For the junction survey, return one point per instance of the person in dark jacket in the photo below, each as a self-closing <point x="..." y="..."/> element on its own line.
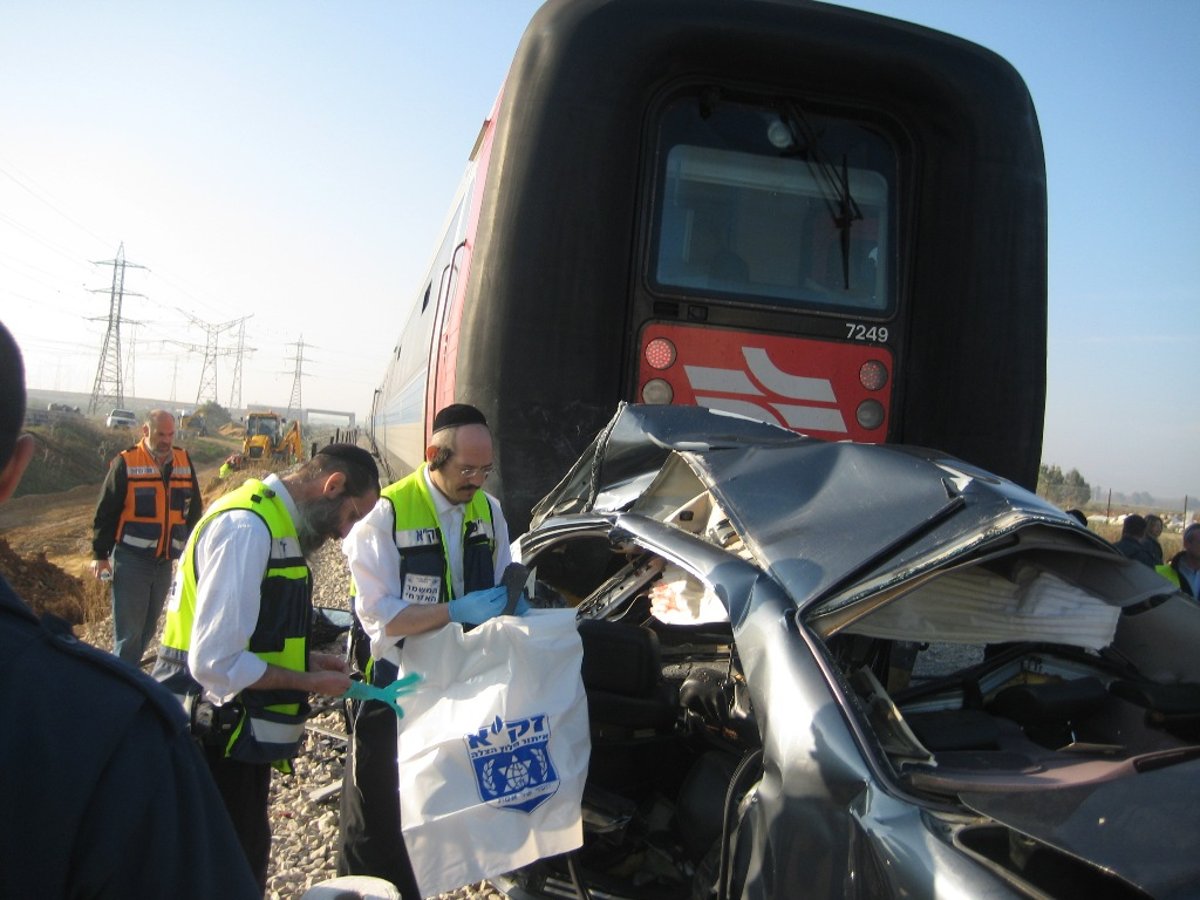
<point x="1154" y="529"/>
<point x="105" y="793"/>
<point x="149" y="504"/>
<point x="1133" y="530"/>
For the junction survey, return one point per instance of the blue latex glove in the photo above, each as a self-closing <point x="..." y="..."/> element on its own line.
<point x="391" y="694"/>
<point x="477" y="607"/>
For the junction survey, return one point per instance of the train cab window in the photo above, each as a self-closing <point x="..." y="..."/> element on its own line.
<point x="770" y="204"/>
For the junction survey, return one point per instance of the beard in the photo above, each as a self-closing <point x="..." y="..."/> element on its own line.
<point x="319" y="521"/>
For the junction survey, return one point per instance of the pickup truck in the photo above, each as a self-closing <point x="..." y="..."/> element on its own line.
<point x="121" y="418"/>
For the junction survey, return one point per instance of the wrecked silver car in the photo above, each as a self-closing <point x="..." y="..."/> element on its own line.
<point x="837" y="670"/>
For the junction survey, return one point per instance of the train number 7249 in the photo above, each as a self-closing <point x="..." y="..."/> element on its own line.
<point x="856" y="331"/>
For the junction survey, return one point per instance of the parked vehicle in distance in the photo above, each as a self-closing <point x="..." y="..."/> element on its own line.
<point x="875" y="668"/>
<point x="61" y="407"/>
<point x="121" y="418"/>
<point x="192" y="425"/>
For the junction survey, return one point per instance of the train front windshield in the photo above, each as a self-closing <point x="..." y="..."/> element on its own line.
<point x="770" y="204"/>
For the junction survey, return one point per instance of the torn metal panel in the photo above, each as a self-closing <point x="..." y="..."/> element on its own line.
<point x="627" y="454"/>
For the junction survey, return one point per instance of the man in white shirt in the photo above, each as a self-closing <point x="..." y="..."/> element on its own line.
<point x="235" y="644"/>
<point x="432" y="551"/>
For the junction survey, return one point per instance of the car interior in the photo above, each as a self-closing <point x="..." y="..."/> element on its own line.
<point x="670" y="725"/>
<point x="966" y="726"/>
<point x="1054" y="689"/>
<point x="1006" y="675"/>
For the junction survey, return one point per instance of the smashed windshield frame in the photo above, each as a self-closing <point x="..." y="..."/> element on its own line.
<point x="769" y="203"/>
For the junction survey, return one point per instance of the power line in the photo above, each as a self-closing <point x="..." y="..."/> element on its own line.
<point x="45" y="242"/>
<point x="23" y="267"/>
<point x="200" y="303"/>
<point x="42" y="196"/>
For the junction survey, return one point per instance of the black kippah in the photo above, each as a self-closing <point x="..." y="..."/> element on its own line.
<point x="458" y="414"/>
<point x="354" y="455"/>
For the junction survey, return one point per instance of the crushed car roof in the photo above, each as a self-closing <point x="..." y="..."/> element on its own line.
<point x="834" y="523"/>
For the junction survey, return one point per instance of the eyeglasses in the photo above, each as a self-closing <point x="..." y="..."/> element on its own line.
<point x="472" y="471"/>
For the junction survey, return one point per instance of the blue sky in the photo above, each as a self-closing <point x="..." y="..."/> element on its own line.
<point x="293" y="162"/>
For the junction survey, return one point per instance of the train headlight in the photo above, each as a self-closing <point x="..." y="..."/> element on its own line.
<point x="869" y="414"/>
<point x="657" y="391"/>
<point x="873" y="375"/>
<point x="660" y="354"/>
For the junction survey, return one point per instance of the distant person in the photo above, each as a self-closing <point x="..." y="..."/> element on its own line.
<point x="1154" y="529"/>
<point x="1079" y="516"/>
<point x="1184" y="568"/>
<point x="1133" y="530"/>
<point x="104" y="790"/>
<point x="431" y="552"/>
<point x="232" y="463"/>
<point x="149" y="504"/>
<point x="235" y="644"/>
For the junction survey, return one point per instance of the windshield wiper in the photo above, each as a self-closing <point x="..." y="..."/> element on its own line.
<point x="834" y="184"/>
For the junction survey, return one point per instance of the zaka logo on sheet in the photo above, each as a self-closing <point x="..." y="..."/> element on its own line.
<point x="512" y="764"/>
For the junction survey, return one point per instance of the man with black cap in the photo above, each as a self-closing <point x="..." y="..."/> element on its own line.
<point x="234" y="647"/>
<point x="104" y="791"/>
<point x="431" y="552"/>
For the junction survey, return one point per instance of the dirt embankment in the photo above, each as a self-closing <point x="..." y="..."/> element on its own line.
<point x="56" y="525"/>
<point x="46" y="538"/>
<point x="45" y="546"/>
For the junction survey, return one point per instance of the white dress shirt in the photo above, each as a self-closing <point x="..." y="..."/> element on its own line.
<point x="374" y="560"/>
<point x="232" y="553"/>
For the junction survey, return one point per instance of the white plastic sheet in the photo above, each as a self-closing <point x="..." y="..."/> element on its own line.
<point x="977" y="607"/>
<point x="493" y="748"/>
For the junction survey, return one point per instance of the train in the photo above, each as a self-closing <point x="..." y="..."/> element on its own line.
<point x="817" y="216"/>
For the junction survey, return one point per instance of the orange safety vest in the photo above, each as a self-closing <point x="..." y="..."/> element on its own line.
<point x="155" y="513"/>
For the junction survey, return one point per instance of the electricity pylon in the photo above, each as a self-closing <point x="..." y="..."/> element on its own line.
<point x="294" y="404"/>
<point x="235" y="393"/>
<point x="108" y="389"/>
<point x="208" y="370"/>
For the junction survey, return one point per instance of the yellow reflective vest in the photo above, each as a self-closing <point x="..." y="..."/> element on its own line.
<point x="270" y="724"/>
<point x="424" y="564"/>
<point x="1169" y="572"/>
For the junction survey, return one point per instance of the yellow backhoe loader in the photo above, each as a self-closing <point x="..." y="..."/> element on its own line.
<point x="269" y="435"/>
